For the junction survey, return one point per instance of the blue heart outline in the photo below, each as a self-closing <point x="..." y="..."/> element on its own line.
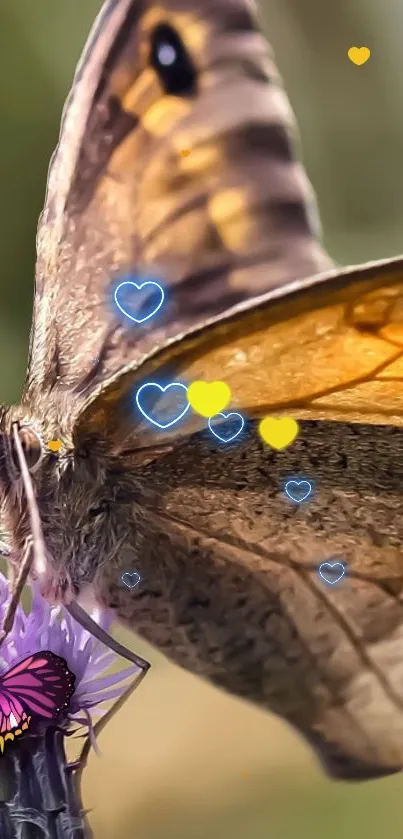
<point x="139" y="287"/>
<point x="298" y="483"/>
<point x="332" y="565"/>
<point x="227" y="416"/>
<point x="162" y="389"/>
<point x="130" y="574"/>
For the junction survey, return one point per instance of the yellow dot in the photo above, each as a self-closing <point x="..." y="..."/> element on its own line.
<point x="54" y="445"/>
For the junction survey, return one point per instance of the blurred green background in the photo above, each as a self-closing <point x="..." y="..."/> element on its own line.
<point x="181" y="760"/>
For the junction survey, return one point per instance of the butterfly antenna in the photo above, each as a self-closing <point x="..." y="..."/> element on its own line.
<point x="39" y="551"/>
<point x="35" y="546"/>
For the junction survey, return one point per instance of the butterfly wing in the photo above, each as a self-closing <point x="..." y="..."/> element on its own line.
<point x="230" y="584"/>
<point x="232" y="218"/>
<point x="326" y="348"/>
<point x="229" y="565"/>
<point x="14" y="720"/>
<point x="42" y="683"/>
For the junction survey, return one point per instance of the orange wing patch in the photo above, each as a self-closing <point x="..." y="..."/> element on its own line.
<point x="329" y="348"/>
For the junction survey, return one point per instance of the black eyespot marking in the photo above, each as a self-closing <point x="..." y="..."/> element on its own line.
<point x="171" y="61"/>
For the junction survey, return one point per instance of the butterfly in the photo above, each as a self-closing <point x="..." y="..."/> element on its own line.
<point x="229" y="583"/>
<point x="38" y="688"/>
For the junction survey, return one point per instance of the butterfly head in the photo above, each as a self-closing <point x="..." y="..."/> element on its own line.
<point x="32" y="446"/>
<point x="19" y="431"/>
<point x="51" y="498"/>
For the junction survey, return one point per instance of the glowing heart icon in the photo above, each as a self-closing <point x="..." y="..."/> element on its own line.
<point x="130" y="579"/>
<point x="278" y="432"/>
<point x="332" y="572"/>
<point x="208" y="398"/>
<point x="227" y="430"/>
<point x="148" y="391"/>
<point x="134" y="302"/>
<point x="298" y="490"/>
<point x="359" y="55"/>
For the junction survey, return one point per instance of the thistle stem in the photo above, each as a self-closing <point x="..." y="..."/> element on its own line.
<point x="39" y="794"/>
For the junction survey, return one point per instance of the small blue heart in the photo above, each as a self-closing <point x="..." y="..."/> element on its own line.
<point x="332" y="572"/>
<point x="130" y="579"/>
<point x="229" y="426"/>
<point x="141" y="393"/>
<point x="149" y="285"/>
<point x="298" y="490"/>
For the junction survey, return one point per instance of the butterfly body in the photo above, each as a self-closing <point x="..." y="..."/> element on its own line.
<point x="229" y="586"/>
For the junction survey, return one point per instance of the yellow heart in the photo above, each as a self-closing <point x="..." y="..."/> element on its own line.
<point x="54" y="445"/>
<point x="208" y="398"/>
<point x="359" y="55"/>
<point x="185" y="152"/>
<point x="278" y="432"/>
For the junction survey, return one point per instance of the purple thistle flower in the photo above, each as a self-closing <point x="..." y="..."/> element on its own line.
<point x="37" y="785"/>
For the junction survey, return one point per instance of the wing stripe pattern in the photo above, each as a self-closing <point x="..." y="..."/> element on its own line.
<point x="233" y="219"/>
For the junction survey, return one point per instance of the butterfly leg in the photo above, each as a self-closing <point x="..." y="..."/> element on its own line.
<point x="86" y="621"/>
<point x="18" y="584"/>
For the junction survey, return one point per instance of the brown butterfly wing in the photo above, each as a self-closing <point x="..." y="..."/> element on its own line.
<point x="230" y="587"/>
<point x="229" y="565"/>
<point x="232" y="218"/>
<point x="326" y="348"/>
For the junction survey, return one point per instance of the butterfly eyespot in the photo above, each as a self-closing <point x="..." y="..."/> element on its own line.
<point x="171" y="61"/>
<point x="31" y="446"/>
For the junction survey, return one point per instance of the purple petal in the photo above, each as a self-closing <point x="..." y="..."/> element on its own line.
<point x="100" y="664"/>
<point x="113" y="679"/>
<point x="94" y="699"/>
